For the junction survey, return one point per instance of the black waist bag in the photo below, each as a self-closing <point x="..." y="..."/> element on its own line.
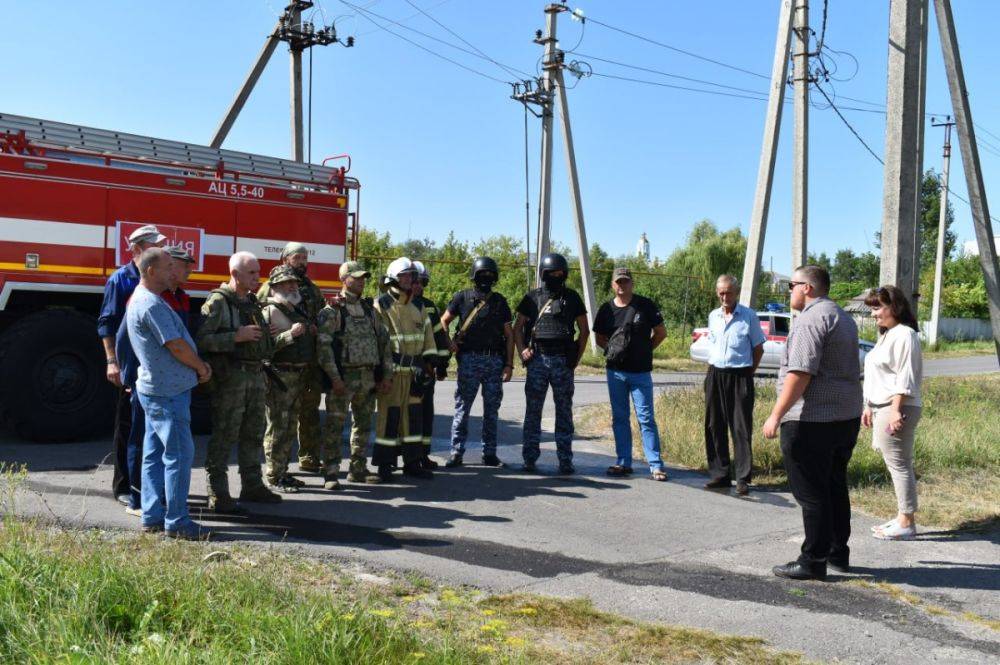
<point x="617" y="348"/>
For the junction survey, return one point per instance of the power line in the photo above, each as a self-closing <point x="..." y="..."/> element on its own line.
<point x="691" y="54"/>
<point x="848" y="124"/>
<point x="677" y="87"/>
<point x="405" y="18"/>
<point x="366" y="13"/>
<point x="502" y="66"/>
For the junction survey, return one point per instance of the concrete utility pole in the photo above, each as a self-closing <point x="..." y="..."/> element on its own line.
<point x="932" y="332"/>
<point x="299" y="36"/>
<point x="800" y="159"/>
<point x="921" y="114"/>
<point x="549" y="66"/>
<point x="768" y="154"/>
<point x="970" y="161"/>
<point x="902" y="121"/>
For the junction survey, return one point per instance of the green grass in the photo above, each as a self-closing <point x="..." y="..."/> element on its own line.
<point x="957" y="449"/>
<point x="946" y="349"/>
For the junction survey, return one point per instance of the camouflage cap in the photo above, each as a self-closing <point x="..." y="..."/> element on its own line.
<point x="293" y="247"/>
<point x="354" y="269"/>
<point x="621" y="272"/>
<point x="180" y="253"/>
<point x="281" y="274"/>
<point x="148" y="233"/>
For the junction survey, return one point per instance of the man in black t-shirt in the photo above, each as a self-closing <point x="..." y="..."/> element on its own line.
<point x="628" y="328"/>
<point x="484" y="347"/>
<point x="544" y="332"/>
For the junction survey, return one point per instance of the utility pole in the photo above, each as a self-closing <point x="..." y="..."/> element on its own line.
<point x="970" y="161"/>
<point x="544" y="96"/>
<point x="902" y="121"/>
<point x="768" y="154"/>
<point x="299" y="36"/>
<point x="932" y="332"/>
<point x="918" y="198"/>
<point x="800" y="160"/>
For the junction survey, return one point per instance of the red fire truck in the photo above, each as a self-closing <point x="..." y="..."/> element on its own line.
<point x="70" y="195"/>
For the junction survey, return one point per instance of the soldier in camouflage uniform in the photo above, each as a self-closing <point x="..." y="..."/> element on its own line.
<point x="295" y="255"/>
<point x="284" y="312"/>
<point x="233" y="339"/>
<point x="400" y="415"/>
<point x="443" y="344"/>
<point x="354" y="352"/>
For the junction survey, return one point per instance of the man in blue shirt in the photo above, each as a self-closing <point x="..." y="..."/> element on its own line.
<point x="169" y="367"/>
<point x="737" y="345"/>
<point x="117" y="291"/>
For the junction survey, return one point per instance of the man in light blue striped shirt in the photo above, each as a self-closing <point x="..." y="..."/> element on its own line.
<point x="737" y="345"/>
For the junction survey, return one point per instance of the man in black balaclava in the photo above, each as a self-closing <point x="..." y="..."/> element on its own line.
<point x="484" y="347"/>
<point x="545" y="340"/>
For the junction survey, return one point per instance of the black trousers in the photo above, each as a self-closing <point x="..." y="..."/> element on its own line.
<point x="729" y="400"/>
<point x="123" y="426"/>
<point x="816" y="457"/>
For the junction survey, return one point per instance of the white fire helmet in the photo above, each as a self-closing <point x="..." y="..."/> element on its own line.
<point x="400" y="265"/>
<point x="422" y="272"/>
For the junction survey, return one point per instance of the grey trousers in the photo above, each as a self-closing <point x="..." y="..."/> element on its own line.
<point x="897" y="451"/>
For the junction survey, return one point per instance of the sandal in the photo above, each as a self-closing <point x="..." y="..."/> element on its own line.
<point x="658" y="475"/>
<point x="618" y="470"/>
<point x="882" y="527"/>
<point x="896" y="532"/>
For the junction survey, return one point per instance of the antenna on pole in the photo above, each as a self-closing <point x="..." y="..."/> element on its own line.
<point x="299" y="36"/>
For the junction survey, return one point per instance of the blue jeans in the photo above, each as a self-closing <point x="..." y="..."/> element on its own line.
<point x="134" y="451"/>
<point x="640" y="386"/>
<point x="167" y="455"/>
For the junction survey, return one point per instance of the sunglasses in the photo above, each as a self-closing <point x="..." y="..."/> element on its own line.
<point x="792" y="285"/>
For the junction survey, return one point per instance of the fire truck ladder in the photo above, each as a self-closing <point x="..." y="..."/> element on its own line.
<point x="22" y="134"/>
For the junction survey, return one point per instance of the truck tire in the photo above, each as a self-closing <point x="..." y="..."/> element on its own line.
<point x="52" y="378"/>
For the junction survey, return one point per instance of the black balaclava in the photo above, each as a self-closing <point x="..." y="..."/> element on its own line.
<point x="553" y="283"/>
<point x="484" y="281"/>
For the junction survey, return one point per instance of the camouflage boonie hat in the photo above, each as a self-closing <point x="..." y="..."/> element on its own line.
<point x="281" y="274"/>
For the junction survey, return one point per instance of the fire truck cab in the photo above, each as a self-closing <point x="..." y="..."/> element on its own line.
<point x="70" y="196"/>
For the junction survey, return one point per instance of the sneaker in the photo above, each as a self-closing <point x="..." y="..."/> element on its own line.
<point x="190" y="531"/>
<point x="225" y="505"/>
<point x="259" y="494"/>
<point x="566" y="468"/>
<point x="124" y="499"/>
<point x="135" y="512"/>
<point x="152" y="528"/>
<point x="896" y="532"/>
<point x="428" y="463"/>
<point x="331" y="483"/>
<point x="454" y="461"/>
<point x="309" y="467"/>
<point x="415" y="470"/>
<point x="492" y="460"/>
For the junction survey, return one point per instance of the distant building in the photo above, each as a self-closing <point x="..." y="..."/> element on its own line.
<point x="642" y="249"/>
<point x="971" y="247"/>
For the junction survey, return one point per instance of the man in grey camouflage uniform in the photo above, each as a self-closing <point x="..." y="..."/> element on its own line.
<point x="354" y="351"/>
<point x="236" y="343"/>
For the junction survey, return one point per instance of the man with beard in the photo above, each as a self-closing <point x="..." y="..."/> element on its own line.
<point x="400" y="415"/>
<point x="295" y="255"/>
<point x="484" y="345"/>
<point x="544" y="336"/>
<point x="236" y="343"/>
<point x="353" y="349"/>
<point x="285" y="313"/>
<point x="443" y="344"/>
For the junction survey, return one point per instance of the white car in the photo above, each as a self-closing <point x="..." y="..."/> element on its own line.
<point x="775" y="326"/>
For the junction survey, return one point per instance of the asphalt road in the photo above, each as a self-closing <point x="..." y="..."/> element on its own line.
<point x="669" y="552"/>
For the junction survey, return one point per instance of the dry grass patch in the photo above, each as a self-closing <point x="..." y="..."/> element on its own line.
<point x="957" y="449"/>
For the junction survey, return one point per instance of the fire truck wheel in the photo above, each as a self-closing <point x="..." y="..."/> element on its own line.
<point x="52" y="378"/>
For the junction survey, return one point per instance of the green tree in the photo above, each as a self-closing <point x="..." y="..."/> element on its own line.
<point x="930" y="212"/>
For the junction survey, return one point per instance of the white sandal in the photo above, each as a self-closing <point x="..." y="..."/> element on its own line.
<point x="896" y="532"/>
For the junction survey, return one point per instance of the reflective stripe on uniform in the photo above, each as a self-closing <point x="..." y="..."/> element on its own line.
<point x="443" y="352"/>
<point x="386" y="442"/>
<point x="432" y="352"/>
<point x="407" y="337"/>
<point x="412" y="439"/>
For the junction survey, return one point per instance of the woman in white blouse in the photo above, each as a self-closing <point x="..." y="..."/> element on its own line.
<point x="892" y="401"/>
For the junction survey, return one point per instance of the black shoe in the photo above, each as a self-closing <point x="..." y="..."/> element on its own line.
<point x="454" y="461"/>
<point x="742" y="488"/>
<point x="415" y="470"/>
<point x="566" y="469"/>
<point x="529" y="467"/>
<point x="718" y="483"/>
<point x="491" y="460"/>
<point x="839" y="565"/>
<point x="385" y="472"/>
<point x="796" y="570"/>
<point x="428" y="463"/>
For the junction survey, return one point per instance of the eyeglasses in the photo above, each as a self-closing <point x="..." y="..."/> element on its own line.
<point x="792" y="285"/>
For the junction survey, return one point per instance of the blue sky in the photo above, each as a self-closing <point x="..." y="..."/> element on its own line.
<point x="438" y="148"/>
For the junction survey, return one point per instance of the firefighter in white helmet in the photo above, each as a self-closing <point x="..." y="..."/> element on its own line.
<point x="443" y="344"/>
<point x="399" y="419"/>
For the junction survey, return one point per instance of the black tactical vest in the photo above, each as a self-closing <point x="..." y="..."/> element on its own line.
<point x="554" y="324"/>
